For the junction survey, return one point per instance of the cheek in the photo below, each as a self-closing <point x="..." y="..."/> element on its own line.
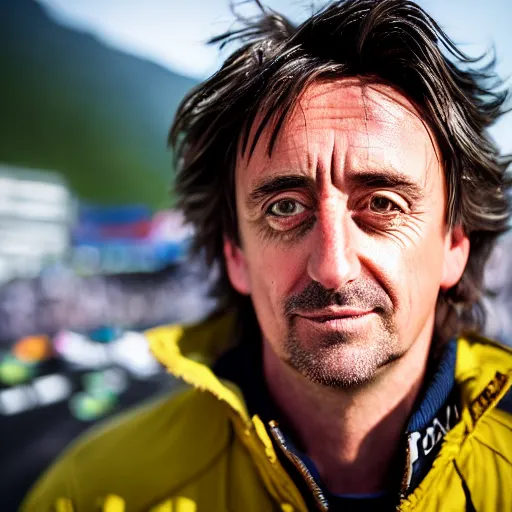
<point x="409" y="270"/>
<point x="422" y="275"/>
<point x="276" y="272"/>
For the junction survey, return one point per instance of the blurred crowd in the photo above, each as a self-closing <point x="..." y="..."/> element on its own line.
<point x="60" y="299"/>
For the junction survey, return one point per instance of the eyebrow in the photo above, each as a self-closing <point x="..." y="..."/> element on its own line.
<point x="272" y="185"/>
<point x="392" y="180"/>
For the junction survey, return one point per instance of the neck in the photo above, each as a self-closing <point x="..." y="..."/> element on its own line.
<point x="353" y="436"/>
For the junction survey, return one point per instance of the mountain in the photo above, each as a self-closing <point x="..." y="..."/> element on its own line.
<point x="71" y="104"/>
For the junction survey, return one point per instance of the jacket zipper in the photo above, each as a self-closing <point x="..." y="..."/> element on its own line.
<point x="317" y="493"/>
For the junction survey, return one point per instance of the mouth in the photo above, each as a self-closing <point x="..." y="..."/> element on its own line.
<point x="340" y="314"/>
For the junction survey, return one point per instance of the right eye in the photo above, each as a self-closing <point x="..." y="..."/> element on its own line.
<point x="286" y="208"/>
<point x="287" y="214"/>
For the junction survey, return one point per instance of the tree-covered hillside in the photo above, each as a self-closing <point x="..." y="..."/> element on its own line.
<point x="71" y="104"/>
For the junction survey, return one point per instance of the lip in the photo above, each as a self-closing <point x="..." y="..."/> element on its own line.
<point x="333" y="315"/>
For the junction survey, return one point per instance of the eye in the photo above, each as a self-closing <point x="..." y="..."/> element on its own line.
<point x="286" y="208"/>
<point x="382" y="205"/>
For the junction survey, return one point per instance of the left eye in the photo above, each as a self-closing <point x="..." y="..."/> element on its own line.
<point x="382" y="204"/>
<point x="286" y="208"/>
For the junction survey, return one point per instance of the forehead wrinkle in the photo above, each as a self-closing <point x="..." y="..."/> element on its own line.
<point x="340" y="156"/>
<point x="366" y="109"/>
<point x="260" y="163"/>
<point x="372" y="160"/>
<point x="391" y="97"/>
<point x="322" y="167"/>
<point x="375" y="164"/>
<point x="408" y="109"/>
<point x="300" y="107"/>
<point x="327" y="170"/>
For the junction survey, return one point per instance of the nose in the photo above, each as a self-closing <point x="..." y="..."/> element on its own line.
<point x="333" y="260"/>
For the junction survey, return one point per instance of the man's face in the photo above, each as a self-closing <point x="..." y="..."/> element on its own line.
<point x="344" y="246"/>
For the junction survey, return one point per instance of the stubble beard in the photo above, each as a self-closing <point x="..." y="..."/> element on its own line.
<point x="343" y="360"/>
<point x="340" y="361"/>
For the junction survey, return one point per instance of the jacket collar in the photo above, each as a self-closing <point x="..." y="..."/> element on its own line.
<point x="484" y="373"/>
<point x="188" y="352"/>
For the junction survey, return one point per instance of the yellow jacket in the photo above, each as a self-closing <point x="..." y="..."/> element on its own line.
<point x="198" y="449"/>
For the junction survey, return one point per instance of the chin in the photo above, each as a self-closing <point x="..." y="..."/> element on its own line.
<point x="342" y="365"/>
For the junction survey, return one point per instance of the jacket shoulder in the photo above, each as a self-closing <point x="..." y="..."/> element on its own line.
<point x="142" y="456"/>
<point x="480" y="350"/>
<point x="485" y="462"/>
<point x="484" y="368"/>
<point x="480" y="361"/>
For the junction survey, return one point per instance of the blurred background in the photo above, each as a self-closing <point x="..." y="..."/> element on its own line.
<point x="91" y="250"/>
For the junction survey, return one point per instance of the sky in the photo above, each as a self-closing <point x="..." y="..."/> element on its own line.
<point x="173" y="32"/>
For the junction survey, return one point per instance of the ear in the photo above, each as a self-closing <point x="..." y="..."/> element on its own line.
<point x="236" y="267"/>
<point x="456" y="253"/>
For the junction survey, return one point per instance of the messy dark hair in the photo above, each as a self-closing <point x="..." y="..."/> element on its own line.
<point x="393" y="42"/>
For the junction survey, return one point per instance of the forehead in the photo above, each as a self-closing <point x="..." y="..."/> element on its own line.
<point x="344" y="126"/>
